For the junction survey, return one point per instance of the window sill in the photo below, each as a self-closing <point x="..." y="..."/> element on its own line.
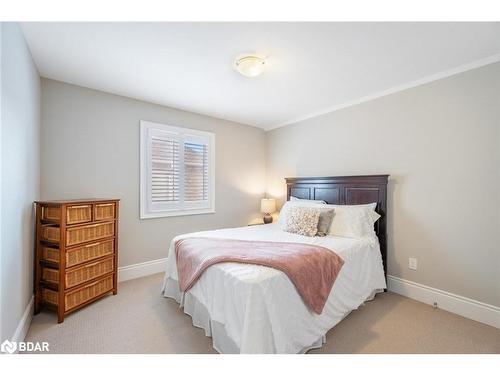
<point x="156" y="215"/>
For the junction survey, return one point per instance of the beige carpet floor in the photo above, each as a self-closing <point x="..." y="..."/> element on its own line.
<point x="140" y="320"/>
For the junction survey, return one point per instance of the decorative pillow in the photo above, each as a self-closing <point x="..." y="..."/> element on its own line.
<point x="354" y="221"/>
<point x="284" y="210"/>
<point x="302" y="220"/>
<point x="325" y="221"/>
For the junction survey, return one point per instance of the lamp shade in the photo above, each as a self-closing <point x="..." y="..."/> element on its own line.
<point x="267" y="205"/>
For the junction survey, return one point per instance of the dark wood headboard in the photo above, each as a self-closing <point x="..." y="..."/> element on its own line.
<point x="347" y="190"/>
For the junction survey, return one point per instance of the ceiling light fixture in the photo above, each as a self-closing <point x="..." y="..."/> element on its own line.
<point x="250" y="65"/>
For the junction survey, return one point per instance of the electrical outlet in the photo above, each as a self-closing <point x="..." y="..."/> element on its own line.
<point x="412" y="263"/>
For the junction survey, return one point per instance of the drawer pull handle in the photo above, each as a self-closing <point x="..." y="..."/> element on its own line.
<point x="83" y="206"/>
<point x="93" y="244"/>
<point x="87" y="226"/>
<point x="88" y="286"/>
<point x="91" y="265"/>
<point x="105" y="205"/>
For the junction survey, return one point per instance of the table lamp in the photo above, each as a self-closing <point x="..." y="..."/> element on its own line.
<point x="267" y="207"/>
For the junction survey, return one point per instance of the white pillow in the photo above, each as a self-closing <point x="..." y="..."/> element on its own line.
<point x="295" y="199"/>
<point x="300" y="203"/>
<point x="370" y="207"/>
<point x="354" y="221"/>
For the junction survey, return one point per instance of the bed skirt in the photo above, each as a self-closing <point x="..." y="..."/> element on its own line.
<point x="221" y="342"/>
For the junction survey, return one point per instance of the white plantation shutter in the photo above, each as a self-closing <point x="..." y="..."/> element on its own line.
<point x="177" y="171"/>
<point x="165" y="169"/>
<point x="195" y="172"/>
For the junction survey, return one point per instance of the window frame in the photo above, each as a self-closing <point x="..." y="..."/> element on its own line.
<point x="181" y="208"/>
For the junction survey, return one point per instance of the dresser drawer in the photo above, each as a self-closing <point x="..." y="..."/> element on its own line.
<point x="88" y="292"/>
<point x="50" y="296"/>
<point x="89" y="252"/>
<point x="49" y="254"/>
<point x="51" y="213"/>
<point x="89" y="232"/>
<point x="79" y="255"/>
<point x="104" y="211"/>
<point x="89" y="272"/>
<point x="51" y="275"/>
<point x="50" y="233"/>
<point x="79" y="214"/>
<point x="75" y="214"/>
<point x="79" y="275"/>
<point x="79" y="234"/>
<point x="81" y="295"/>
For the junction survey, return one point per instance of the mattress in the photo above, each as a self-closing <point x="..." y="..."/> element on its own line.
<point x="256" y="309"/>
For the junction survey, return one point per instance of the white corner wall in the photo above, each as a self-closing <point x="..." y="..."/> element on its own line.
<point x="20" y="179"/>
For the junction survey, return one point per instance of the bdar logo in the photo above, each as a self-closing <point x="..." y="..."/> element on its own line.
<point x="8" y="347"/>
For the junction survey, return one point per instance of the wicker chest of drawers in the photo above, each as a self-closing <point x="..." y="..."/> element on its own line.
<point x="76" y="253"/>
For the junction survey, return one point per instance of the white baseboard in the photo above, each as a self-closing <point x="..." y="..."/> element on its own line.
<point x="466" y="307"/>
<point x="25" y="322"/>
<point x="135" y="271"/>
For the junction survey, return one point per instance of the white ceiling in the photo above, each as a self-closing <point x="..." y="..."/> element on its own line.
<point x="312" y="67"/>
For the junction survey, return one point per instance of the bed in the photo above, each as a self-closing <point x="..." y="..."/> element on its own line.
<point x="256" y="309"/>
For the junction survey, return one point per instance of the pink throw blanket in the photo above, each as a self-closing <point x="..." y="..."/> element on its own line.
<point x="312" y="269"/>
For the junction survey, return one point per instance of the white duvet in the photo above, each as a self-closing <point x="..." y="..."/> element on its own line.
<point x="256" y="309"/>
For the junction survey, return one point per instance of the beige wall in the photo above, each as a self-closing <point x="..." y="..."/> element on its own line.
<point x="440" y="143"/>
<point x="20" y="139"/>
<point x="90" y="148"/>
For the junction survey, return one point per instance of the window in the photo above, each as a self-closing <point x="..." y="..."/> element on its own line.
<point x="177" y="171"/>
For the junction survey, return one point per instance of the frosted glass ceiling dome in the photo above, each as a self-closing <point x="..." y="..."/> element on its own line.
<point x="250" y="66"/>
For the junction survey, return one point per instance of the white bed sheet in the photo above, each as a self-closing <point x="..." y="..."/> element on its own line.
<point x="258" y="308"/>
